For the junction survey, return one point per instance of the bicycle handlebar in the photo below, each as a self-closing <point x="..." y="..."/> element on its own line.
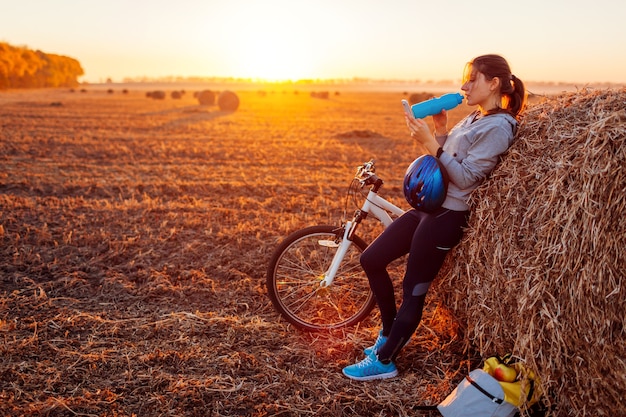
<point x="365" y="174"/>
<point x="365" y="170"/>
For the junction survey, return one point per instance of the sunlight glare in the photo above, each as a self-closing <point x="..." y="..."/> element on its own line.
<point x="273" y="59"/>
<point x="272" y="47"/>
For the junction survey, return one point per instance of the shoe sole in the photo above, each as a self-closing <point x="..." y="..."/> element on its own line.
<point x="372" y="377"/>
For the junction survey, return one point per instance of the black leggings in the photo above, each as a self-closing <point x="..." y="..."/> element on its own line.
<point x="427" y="238"/>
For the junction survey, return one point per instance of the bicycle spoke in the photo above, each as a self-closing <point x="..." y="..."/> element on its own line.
<point x="295" y="280"/>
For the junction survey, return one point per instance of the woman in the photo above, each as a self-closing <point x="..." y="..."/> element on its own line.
<point x="469" y="152"/>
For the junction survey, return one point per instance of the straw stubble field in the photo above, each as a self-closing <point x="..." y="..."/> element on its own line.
<point x="135" y="238"/>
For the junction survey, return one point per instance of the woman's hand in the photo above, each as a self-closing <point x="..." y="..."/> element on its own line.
<point x="441" y="122"/>
<point x="420" y="131"/>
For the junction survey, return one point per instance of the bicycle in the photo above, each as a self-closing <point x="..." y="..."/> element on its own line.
<point x="314" y="278"/>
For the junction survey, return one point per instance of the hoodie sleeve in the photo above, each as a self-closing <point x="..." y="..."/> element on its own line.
<point x="473" y="154"/>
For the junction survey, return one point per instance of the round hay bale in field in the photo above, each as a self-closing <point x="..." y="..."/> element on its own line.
<point x="539" y="272"/>
<point x="206" y="98"/>
<point x="177" y="95"/>
<point x="419" y="97"/>
<point x="158" y="95"/>
<point x="228" y="101"/>
<point x="320" y="94"/>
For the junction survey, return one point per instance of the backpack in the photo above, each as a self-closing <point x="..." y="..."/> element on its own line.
<point x="480" y="394"/>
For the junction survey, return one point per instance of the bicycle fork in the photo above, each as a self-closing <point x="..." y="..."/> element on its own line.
<point x="342" y="248"/>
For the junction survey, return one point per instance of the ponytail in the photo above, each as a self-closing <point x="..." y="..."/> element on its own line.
<point x="517" y="96"/>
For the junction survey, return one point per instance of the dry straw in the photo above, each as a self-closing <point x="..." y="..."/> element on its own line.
<point x="540" y="271"/>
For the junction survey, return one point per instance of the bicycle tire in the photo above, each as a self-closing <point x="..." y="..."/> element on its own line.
<point x="293" y="281"/>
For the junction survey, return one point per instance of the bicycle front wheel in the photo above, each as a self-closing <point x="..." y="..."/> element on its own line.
<point x="299" y="265"/>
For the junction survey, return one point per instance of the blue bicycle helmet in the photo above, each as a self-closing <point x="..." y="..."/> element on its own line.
<point x="426" y="183"/>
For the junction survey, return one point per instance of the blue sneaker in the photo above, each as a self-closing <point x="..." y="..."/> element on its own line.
<point x="380" y="340"/>
<point x="370" y="368"/>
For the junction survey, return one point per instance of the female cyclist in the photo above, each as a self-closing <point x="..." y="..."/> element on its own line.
<point x="469" y="152"/>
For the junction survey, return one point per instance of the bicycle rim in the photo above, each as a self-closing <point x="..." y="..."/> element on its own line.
<point x="294" y="277"/>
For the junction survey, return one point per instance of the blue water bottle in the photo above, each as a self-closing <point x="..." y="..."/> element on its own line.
<point x="436" y="104"/>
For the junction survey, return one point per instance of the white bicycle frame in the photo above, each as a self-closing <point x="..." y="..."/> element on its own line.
<point x="374" y="205"/>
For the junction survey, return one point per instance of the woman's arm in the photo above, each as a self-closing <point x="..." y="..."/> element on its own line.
<point x="420" y="131"/>
<point x="479" y="153"/>
<point x="482" y="155"/>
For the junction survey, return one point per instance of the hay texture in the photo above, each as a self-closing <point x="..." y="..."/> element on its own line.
<point x="540" y="271"/>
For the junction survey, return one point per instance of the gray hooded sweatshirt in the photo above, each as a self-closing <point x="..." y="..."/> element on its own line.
<point x="471" y="151"/>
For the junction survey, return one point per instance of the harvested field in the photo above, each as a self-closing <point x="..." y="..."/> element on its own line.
<point x="135" y="237"/>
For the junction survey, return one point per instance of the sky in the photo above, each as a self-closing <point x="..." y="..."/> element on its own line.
<point x="569" y="41"/>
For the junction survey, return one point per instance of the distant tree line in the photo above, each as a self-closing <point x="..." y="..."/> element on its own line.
<point x="21" y="67"/>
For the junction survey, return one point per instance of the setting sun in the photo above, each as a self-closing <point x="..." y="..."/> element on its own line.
<point x="273" y="57"/>
<point x="271" y="44"/>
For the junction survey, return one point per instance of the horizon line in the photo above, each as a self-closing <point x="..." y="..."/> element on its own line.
<point x="314" y="81"/>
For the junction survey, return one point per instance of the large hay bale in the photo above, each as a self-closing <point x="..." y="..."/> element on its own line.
<point x="228" y="101"/>
<point x="419" y="97"/>
<point x="158" y="95"/>
<point x="539" y="273"/>
<point x="206" y="98"/>
<point x="320" y="94"/>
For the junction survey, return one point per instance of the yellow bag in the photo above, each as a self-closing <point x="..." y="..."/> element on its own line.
<point x="518" y="383"/>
